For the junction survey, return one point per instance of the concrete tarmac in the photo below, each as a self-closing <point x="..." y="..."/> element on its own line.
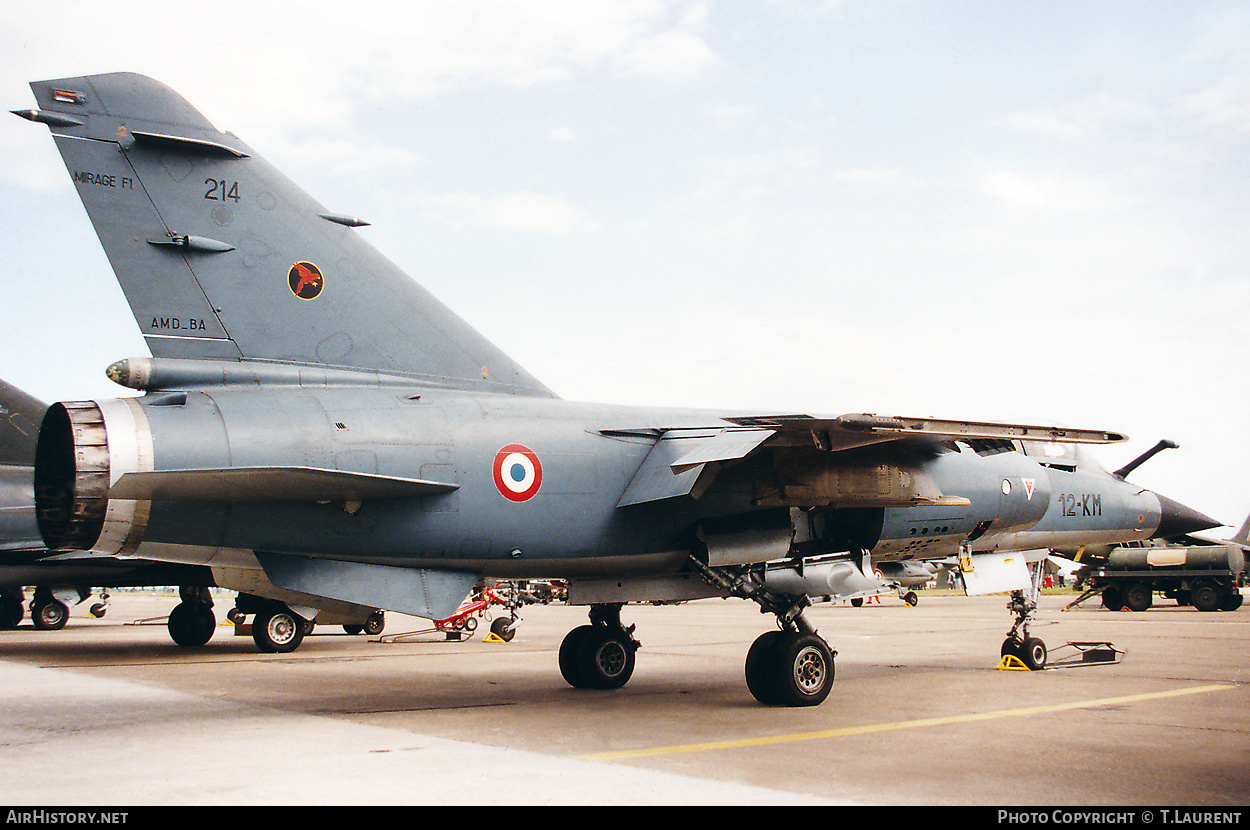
<point x="105" y="712"/>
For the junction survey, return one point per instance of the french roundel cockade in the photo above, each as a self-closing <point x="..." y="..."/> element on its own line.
<point x="518" y="472"/>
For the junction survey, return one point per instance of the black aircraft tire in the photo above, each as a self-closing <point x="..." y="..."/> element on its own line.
<point x="760" y="669"/>
<point x="1012" y="648"/>
<point x="804" y="665"/>
<point x="1231" y="601"/>
<point x="191" y="625"/>
<point x="1112" y="598"/>
<point x="605" y="658"/>
<point x="503" y="629"/>
<point x="374" y="623"/>
<point x="1034" y="654"/>
<point x="278" y="631"/>
<point x="49" y="616"/>
<point x="569" y="667"/>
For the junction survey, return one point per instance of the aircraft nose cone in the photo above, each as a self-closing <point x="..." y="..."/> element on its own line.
<point x="1176" y="519"/>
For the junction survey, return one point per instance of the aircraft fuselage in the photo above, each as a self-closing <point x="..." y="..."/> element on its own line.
<point x="531" y="487"/>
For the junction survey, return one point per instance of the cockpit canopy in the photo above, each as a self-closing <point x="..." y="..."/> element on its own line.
<point x="1066" y="457"/>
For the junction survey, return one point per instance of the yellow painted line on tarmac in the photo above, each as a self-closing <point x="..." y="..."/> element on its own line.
<point x="921" y="723"/>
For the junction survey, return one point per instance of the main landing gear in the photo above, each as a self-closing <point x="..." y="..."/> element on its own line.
<point x="47" y="611"/>
<point x="277" y="629"/>
<point x="599" y="655"/>
<point x="792" y="666"/>
<point x="191" y="623"/>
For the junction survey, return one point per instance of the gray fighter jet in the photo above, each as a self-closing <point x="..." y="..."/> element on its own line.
<point x="312" y="413"/>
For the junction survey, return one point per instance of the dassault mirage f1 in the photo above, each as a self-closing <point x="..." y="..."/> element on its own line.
<point x="312" y="414"/>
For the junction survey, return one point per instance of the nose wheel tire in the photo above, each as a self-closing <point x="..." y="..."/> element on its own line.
<point x="503" y="629"/>
<point x="1032" y="652"/>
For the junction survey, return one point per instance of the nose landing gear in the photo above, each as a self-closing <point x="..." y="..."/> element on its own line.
<point x="1030" y="651"/>
<point x="1022" y="651"/>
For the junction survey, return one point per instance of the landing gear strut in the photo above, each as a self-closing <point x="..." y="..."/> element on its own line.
<point x="599" y="655"/>
<point x="1028" y="650"/>
<point x="792" y="666"/>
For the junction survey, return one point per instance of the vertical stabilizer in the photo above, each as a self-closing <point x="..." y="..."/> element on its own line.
<point x="1243" y="534"/>
<point x="222" y="257"/>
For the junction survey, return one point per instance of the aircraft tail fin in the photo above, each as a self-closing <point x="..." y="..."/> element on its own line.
<point x="221" y="257"/>
<point x="1243" y="534"/>
<point x="20" y="416"/>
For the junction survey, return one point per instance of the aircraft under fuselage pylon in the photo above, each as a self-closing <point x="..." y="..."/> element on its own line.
<point x="310" y="413"/>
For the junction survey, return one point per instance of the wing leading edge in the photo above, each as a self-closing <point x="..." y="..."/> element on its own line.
<point x="678" y="463"/>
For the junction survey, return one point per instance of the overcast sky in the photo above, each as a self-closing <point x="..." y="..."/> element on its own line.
<point x="992" y="210"/>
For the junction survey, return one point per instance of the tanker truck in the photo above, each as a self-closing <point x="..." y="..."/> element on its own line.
<point x="1208" y="577"/>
